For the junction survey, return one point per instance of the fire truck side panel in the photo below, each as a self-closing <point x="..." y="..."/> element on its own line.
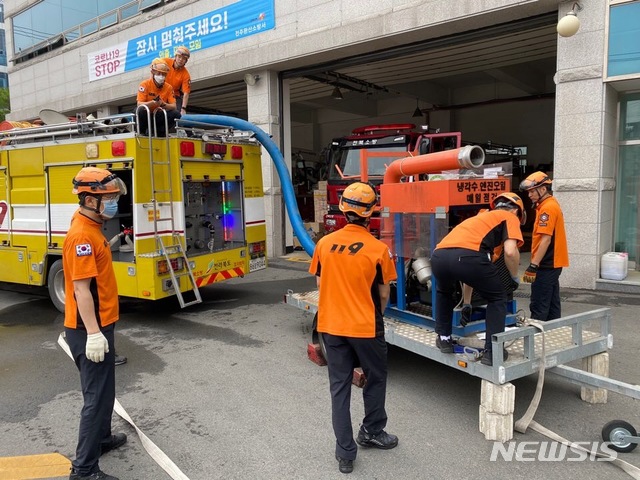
<point x="29" y="214"/>
<point x="62" y="203"/>
<point x="5" y="218"/>
<point x="255" y="210"/>
<point x="14" y="263"/>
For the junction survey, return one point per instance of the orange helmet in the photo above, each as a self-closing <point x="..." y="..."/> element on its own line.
<point x="535" y="180"/>
<point x="182" y="50"/>
<point x="359" y="198"/>
<point x="510" y="200"/>
<point x="158" y="66"/>
<point x="97" y="181"/>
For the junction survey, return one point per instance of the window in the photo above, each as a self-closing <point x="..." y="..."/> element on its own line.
<point x="3" y="49"/>
<point x="627" y="221"/>
<point x="52" y="23"/>
<point x="624" y="39"/>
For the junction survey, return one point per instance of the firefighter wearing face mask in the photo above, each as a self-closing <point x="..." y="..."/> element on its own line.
<point x="157" y="95"/>
<point x="91" y="311"/>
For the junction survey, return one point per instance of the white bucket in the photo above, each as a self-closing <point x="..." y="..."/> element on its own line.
<point x="613" y="266"/>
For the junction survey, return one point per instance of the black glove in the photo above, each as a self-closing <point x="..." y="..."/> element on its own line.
<point x="515" y="283"/>
<point x="465" y="314"/>
<point x="530" y="274"/>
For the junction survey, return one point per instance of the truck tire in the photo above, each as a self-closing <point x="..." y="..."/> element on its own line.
<point x="55" y="282"/>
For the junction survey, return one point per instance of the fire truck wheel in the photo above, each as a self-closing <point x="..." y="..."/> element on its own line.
<point x="55" y="282"/>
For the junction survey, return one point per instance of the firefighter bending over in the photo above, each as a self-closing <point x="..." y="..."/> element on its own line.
<point x="91" y="311"/>
<point x="157" y="95"/>
<point x="353" y="270"/>
<point x="465" y="254"/>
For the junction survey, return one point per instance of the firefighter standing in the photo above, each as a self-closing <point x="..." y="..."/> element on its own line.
<point x="465" y="254"/>
<point x="353" y="270"/>
<point x="157" y="95"/>
<point x="91" y="310"/>
<point x="179" y="78"/>
<point x="548" y="248"/>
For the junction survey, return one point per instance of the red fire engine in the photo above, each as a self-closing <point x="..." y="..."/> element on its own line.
<point x="383" y="144"/>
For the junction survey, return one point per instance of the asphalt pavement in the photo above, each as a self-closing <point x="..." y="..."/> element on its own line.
<point x="225" y="389"/>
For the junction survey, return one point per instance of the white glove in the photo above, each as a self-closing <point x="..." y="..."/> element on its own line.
<point x="97" y="346"/>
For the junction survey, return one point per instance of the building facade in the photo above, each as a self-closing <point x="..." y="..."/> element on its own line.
<point x="494" y="70"/>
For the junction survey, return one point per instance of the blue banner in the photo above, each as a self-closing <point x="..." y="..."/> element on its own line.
<point x="238" y="20"/>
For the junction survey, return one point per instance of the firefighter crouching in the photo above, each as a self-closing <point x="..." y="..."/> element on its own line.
<point x="91" y="311"/>
<point x="157" y="95"/>
<point x="465" y="254"/>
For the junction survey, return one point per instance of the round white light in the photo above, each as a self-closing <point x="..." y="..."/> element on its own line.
<point x="250" y="79"/>
<point x="568" y="25"/>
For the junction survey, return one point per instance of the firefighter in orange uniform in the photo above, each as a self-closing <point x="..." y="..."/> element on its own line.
<point x="91" y="311"/>
<point x="548" y="249"/>
<point x="157" y="94"/>
<point x="353" y="270"/>
<point x="179" y="78"/>
<point x="465" y="255"/>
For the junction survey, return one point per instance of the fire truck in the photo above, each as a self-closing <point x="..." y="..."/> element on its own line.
<point x="193" y="215"/>
<point x="367" y="151"/>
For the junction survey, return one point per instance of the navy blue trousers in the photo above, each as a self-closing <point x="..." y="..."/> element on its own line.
<point x="453" y="265"/>
<point x="343" y="354"/>
<point x="545" y="295"/>
<point x="98" y="383"/>
<point x="158" y="118"/>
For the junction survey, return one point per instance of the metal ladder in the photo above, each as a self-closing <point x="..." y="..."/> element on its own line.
<point x="176" y="243"/>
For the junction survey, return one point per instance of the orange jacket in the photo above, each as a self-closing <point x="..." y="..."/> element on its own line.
<point x="87" y="254"/>
<point x="148" y="90"/>
<point x="178" y="78"/>
<point x="484" y="232"/>
<point x="351" y="264"/>
<point x="550" y="221"/>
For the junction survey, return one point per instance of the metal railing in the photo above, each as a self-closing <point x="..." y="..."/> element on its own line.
<point x="113" y="17"/>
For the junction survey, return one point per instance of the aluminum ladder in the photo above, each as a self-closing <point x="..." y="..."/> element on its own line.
<point x="164" y="170"/>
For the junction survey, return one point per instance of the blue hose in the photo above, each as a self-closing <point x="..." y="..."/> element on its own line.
<point x="278" y="160"/>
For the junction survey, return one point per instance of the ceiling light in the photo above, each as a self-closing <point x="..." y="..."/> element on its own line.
<point x="417" y="112"/>
<point x="569" y="24"/>
<point x="336" y="94"/>
<point x="251" y="79"/>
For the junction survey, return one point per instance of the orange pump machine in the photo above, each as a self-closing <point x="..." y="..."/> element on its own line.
<point x="419" y="204"/>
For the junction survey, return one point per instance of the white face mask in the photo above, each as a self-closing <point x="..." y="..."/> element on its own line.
<point x="159" y="79"/>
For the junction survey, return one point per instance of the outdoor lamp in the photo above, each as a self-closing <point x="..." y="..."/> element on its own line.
<point x="251" y="79"/>
<point x="569" y="24"/>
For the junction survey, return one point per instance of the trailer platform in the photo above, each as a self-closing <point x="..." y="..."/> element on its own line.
<point x="566" y="339"/>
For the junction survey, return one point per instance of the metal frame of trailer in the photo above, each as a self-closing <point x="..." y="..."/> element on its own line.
<point x="566" y="339"/>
